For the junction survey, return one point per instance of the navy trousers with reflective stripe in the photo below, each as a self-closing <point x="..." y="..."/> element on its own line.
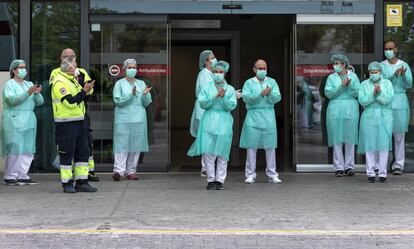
<point x="72" y="141"/>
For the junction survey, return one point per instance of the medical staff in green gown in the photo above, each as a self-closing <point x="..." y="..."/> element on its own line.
<point x="399" y="73"/>
<point x="206" y="62"/>
<point x="376" y="95"/>
<point x="18" y="127"/>
<point x="342" y="115"/>
<point x="215" y="133"/>
<point x="260" y="93"/>
<point x="130" y="96"/>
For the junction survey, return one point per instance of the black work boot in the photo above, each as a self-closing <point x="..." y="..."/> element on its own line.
<point x="92" y="177"/>
<point x="210" y="185"/>
<point x="68" y="188"/>
<point x="84" y="186"/>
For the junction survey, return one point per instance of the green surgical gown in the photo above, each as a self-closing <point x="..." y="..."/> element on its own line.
<point x="204" y="77"/>
<point x="375" y="129"/>
<point x="18" y="127"/>
<point x="215" y="132"/>
<point x="400" y="105"/>
<point x="259" y="128"/>
<point x="342" y="115"/>
<point x="130" y="122"/>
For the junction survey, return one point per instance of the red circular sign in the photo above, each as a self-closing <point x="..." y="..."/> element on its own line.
<point x="114" y="70"/>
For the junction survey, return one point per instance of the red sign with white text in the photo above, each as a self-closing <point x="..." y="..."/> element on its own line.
<point x="152" y="70"/>
<point x="313" y="70"/>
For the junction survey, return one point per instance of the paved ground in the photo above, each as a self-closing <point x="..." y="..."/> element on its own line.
<point x="175" y="211"/>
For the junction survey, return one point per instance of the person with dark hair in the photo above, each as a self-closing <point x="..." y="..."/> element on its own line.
<point x="399" y="73"/>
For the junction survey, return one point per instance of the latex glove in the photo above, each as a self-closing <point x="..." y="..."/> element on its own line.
<point x="238" y="94"/>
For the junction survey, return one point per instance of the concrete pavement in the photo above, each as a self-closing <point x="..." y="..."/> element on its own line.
<point x="305" y="211"/>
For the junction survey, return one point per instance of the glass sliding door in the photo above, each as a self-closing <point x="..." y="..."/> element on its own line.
<point x="148" y="43"/>
<point x="315" y="43"/>
<point x="404" y="36"/>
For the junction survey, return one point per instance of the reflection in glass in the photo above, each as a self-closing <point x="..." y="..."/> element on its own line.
<point x="315" y="45"/>
<point x="55" y="26"/>
<point x="9" y="29"/>
<point x="404" y="36"/>
<point x="111" y="44"/>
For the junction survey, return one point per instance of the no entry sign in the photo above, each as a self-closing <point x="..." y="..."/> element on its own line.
<point x="114" y="70"/>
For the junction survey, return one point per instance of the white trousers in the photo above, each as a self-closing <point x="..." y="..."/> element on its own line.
<point x="341" y="163"/>
<point x="214" y="174"/>
<point x="203" y="165"/>
<point x="399" y="150"/>
<point x="17" y="166"/>
<point x="126" y="163"/>
<point x="270" y="163"/>
<point x="376" y="159"/>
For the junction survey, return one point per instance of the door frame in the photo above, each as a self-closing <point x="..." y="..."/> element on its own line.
<point x="135" y="19"/>
<point x="206" y="36"/>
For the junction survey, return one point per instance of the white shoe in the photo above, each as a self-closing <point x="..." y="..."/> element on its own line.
<point x="203" y="174"/>
<point x="274" y="179"/>
<point x="250" y="180"/>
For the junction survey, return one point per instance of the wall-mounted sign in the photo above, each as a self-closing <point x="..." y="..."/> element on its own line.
<point x="114" y="70"/>
<point x="195" y="24"/>
<point x="152" y="70"/>
<point x="394" y="15"/>
<point x="313" y="70"/>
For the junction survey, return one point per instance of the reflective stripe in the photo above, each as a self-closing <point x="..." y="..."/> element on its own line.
<point x="61" y="120"/>
<point x="55" y="100"/>
<point x="66" y="173"/>
<point x="91" y="164"/>
<point x="81" y="172"/>
<point x="81" y="164"/>
<point x="66" y="167"/>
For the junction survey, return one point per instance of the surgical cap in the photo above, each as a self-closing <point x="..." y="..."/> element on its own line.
<point x="15" y="64"/>
<point x="127" y="62"/>
<point x="340" y="57"/>
<point x="203" y="57"/>
<point x="66" y="63"/>
<point x="222" y="65"/>
<point x="374" y="66"/>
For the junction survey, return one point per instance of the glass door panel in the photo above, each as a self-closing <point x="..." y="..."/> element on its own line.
<point x="315" y="43"/>
<point x="110" y="45"/>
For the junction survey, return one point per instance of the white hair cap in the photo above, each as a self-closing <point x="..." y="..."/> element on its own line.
<point x="129" y="61"/>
